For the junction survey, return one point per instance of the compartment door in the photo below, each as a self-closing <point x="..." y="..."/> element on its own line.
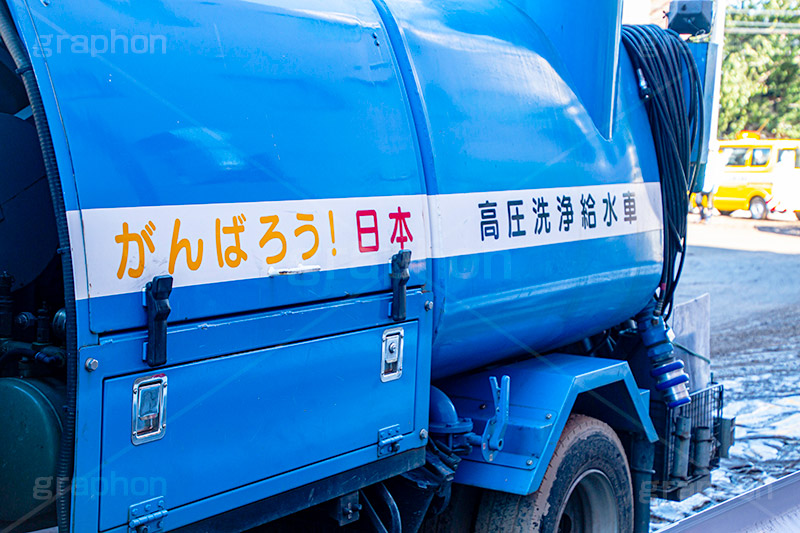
<point x="252" y="420"/>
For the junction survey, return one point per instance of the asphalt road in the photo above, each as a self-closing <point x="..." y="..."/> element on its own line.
<point x="751" y="269"/>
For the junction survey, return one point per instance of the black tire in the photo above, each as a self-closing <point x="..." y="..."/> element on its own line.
<point x="587" y="488"/>
<point x="758" y="208"/>
<point x="725" y="213"/>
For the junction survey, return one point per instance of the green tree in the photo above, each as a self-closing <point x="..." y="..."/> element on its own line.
<point x="761" y="72"/>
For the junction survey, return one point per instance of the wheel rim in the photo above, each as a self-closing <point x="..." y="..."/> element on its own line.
<point x="757" y="209"/>
<point x="591" y="506"/>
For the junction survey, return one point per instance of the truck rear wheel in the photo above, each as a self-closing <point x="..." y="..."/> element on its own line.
<point x="587" y="488"/>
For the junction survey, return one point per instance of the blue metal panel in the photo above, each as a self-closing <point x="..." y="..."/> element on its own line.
<point x="700" y="55"/>
<point x="217" y="110"/>
<point x="122" y="355"/>
<point x="497" y="305"/>
<point x="592" y="74"/>
<point x="283" y="100"/>
<point x="221" y="110"/>
<point x="501" y="110"/>
<point x="239" y="419"/>
<point x="543" y="391"/>
<point x="111" y="312"/>
<point x="503" y="115"/>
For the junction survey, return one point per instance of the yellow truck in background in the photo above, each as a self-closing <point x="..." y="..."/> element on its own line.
<point x="758" y="175"/>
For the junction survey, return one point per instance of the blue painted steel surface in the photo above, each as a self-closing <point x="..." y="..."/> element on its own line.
<point x="247" y="422"/>
<point x="543" y="391"/>
<point x="270" y="409"/>
<point x="503" y="116"/>
<point x="494" y="94"/>
<point x="592" y="75"/>
<point x="220" y="111"/>
<point x="316" y="99"/>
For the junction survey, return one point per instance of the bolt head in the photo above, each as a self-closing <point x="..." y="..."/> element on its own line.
<point x="548" y="416"/>
<point x="91" y="364"/>
<point x="428" y="305"/>
<point x="529" y="462"/>
<point x="423" y="434"/>
<point x="392" y="347"/>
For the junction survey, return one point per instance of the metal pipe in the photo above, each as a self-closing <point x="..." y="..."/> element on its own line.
<point x="680" y="459"/>
<point x="701" y="459"/>
<point x="642" y="458"/>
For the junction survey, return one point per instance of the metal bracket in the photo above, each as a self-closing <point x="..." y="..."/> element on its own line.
<point x="495" y="430"/>
<point x="389" y="440"/>
<point x="346" y="509"/>
<point x="147" y="516"/>
<point x="158" y="309"/>
<point x="400" y="276"/>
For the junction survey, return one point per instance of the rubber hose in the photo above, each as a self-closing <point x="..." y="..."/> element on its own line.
<point x="8" y="34"/>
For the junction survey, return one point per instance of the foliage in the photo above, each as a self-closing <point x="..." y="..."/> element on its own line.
<point x="761" y="74"/>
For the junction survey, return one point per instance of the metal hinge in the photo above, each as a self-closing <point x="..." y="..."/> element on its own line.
<point x="389" y="440"/>
<point x="147" y="516"/>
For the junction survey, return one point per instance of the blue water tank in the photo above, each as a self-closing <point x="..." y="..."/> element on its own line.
<point x="564" y="204"/>
<point x="510" y="137"/>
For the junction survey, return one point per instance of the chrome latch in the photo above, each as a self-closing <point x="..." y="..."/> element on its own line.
<point x="392" y="355"/>
<point x="149" y="421"/>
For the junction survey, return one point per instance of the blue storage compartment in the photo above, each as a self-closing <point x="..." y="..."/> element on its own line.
<point x="241" y="419"/>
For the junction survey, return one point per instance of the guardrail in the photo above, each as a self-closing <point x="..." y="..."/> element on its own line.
<point x="772" y="508"/>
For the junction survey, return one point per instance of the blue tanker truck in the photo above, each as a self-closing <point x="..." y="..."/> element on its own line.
<point x="401" y="265"/>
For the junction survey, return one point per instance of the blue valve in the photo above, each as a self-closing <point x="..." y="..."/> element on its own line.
<point x="669" y="372"/>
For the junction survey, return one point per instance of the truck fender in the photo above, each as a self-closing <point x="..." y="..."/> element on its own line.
<point x="543" y="393"/>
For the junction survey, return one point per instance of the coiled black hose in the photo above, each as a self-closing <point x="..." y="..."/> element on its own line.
<point x="670" y="86"/>
<point x="8" y="34"/>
